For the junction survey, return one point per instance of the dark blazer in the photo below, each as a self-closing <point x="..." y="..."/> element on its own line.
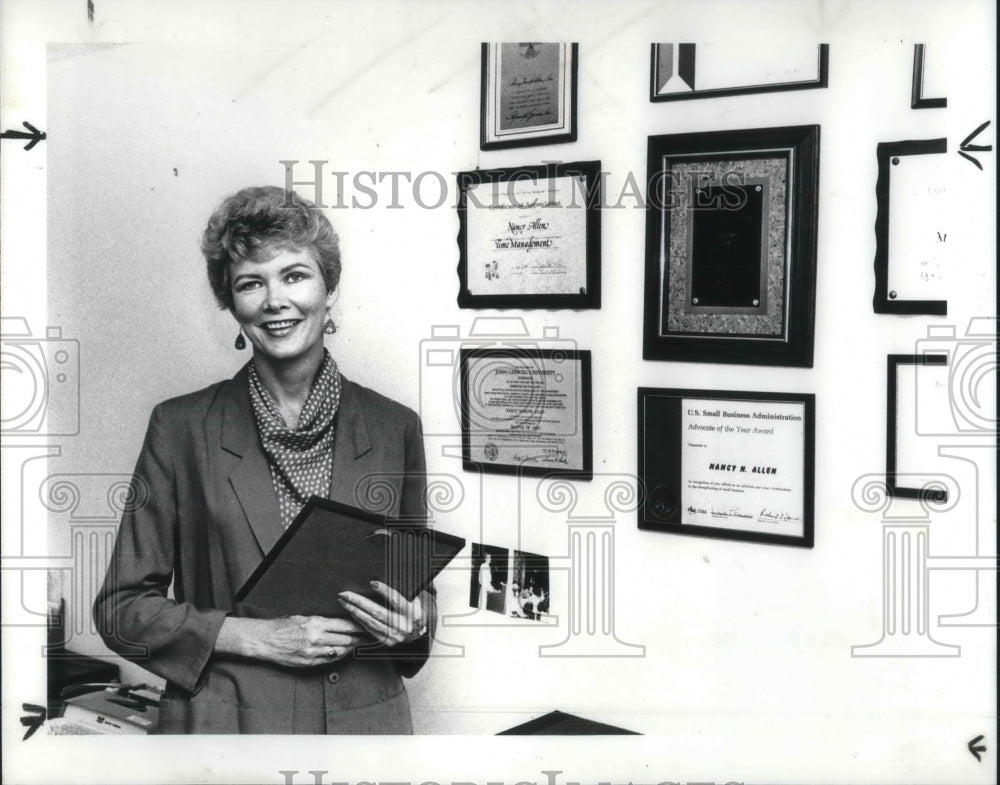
<point x="203" y="516"/>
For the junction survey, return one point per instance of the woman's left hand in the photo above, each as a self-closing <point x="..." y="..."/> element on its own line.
<point x="401" y="622"/>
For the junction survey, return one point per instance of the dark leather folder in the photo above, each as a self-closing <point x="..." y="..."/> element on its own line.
<point x="330" y="548"/>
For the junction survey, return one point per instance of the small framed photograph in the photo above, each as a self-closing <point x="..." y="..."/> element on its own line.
<point x="530" y="237"/>
<point x="729" y="465"/>
<point x="528" y="595"/>
<point x="731" y="246"/>
<point x="489" y="578"/>
<point x="681" y="72"/>
<point x="528" y="94"/>
<point x="526" y="411"/>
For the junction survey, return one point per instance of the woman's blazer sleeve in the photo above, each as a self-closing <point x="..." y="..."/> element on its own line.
<point x="413" y="506"/>
<point x="133" y="613"/>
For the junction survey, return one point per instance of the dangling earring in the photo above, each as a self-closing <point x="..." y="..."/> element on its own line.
<point x="240" y="343"/>
<point x="329" y="328"/>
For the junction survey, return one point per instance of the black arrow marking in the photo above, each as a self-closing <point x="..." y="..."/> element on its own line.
<point x="975" y="747"/>
<point x="964" y="148"/>
<point x="36" y="716"/>
<point x="35" y="135"/>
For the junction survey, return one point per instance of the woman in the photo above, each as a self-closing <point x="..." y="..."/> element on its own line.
<point x="514" y="600"/>
<point x="485" y="581"/>
<point x="224" y="470"/>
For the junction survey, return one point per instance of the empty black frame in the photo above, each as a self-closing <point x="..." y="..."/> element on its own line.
<point x="779" y="332"/>
<point x="917" y="100"/>
<point x="660" y="470"/>
<point x="489" y="86"/>
<point x="686" y="64"/>
<point x="884" y="300"/>
<point x="589" y="295"/>
<point x="893" y="361"/>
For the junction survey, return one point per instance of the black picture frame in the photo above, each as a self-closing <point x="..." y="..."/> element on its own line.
<point x="660" y="470"/>
<point x="917" y="100"/>
<point x="688" y="177"/>
<point x="894" y="488"/>
<point x="687" y="55"/>
<point x="518" y="444"/>
<point x="884" y="300"/>
<point x="585" y="194"/>
<point x="491" y="135"/>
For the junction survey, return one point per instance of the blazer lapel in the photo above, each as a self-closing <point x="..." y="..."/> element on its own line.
<point x="251" y="475"/>
<point x="352" y="440"/>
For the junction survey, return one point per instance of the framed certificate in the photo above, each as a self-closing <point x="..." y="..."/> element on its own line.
<point x="731" y="465"/>
<point x="530" y="237"/>
<point x="528" y="94"/>
<point x="731" y="246"/>
<point x="526" y="411"/>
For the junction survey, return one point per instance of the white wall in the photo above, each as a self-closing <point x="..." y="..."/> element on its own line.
<point x="747" y="647"/>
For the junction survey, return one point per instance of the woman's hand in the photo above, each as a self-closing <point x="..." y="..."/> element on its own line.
<point x="401" y="622"/>
<point x="297" y="641"/>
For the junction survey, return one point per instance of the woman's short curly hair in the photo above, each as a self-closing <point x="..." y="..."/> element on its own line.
<point x="255" y="224"/>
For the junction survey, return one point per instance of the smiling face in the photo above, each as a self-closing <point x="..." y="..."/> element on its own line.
<point x="281" y="304"/>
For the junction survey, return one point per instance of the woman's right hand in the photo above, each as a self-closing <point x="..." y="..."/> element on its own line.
<point x="296" y="641"/>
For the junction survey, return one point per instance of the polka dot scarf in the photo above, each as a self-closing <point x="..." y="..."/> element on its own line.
<point x="301" y="458"/>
